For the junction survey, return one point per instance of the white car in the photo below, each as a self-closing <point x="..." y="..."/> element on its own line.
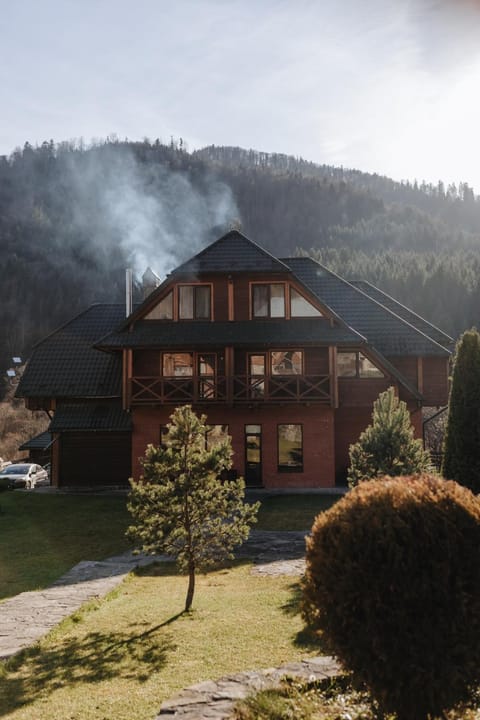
<point x="27" y="475"/>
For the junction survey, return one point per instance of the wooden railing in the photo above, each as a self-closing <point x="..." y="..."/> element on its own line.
<point x="234" y="389"/>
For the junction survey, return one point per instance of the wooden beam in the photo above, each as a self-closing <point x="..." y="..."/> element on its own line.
<point x="332" y="366"/>
<point x="420" y="374"/>
<point x="231" y="307"/>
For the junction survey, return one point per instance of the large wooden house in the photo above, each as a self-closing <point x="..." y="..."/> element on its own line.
<point x="283" y="355"/>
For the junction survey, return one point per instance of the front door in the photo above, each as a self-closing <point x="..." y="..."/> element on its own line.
<point x="253" y="455"/>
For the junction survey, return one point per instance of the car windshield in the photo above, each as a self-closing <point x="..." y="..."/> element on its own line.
<point x="16" y="470"/>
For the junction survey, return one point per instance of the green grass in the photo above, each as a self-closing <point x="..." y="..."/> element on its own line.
<point x="292" y="512"/>
<point x="42" y="536"/>
<point x="123" y="656"/>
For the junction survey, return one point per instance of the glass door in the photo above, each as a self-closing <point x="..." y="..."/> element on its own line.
<point x="256" y="375"/>
<point x="253" y="455"/>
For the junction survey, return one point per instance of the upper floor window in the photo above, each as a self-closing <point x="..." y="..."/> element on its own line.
<point x="287" y="362"/>
<point x="300" y="307"/>
<point x="194" y="302"/>
<point x="268" y="300"/>
<point x="164" y="309"/>
<point x="355" y="364"/>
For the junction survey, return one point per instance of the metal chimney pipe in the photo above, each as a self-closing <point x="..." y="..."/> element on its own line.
<point x="128" y="291"/>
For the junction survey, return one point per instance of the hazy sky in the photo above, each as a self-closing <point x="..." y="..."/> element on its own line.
<point x="383" y="86"/>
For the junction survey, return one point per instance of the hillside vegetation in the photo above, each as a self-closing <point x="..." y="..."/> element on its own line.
<point x="73" y="217"/>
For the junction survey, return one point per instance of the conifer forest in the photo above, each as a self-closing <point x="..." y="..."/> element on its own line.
<point x="74" y="216"/>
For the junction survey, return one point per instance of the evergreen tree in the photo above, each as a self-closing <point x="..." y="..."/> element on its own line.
<point x="387" y="446"/>
<point x="181" y="507"/>
<point x="461" y="460"/>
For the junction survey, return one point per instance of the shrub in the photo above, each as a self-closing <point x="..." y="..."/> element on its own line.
<point x="392" y="586"/>
<point x="387" y="446"/>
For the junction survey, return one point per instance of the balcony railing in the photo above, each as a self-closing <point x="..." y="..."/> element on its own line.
<point x="234" y="389"/>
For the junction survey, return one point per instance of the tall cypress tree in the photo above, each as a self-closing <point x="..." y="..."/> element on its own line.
<point x="461" y="460"/>
<point x="387" y="446"/>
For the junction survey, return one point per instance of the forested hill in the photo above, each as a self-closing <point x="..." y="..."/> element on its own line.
<point x="73" y="217"/>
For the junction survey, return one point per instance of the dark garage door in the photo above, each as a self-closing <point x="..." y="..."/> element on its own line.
<point x="95" y="458"/>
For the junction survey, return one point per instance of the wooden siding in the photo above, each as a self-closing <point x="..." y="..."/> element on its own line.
<point x="435" y="381"/>
<point x="360" y="392"/>
<point x="318" y="440"/>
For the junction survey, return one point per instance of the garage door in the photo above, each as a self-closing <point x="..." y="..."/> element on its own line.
<point x="95" y="458"/>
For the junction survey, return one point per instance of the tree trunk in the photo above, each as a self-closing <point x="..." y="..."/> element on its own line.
<point x="191" y="585"/>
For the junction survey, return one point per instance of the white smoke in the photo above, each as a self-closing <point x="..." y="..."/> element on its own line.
<point x="154" y="214"/>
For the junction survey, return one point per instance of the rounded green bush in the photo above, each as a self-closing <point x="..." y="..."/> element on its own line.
<point x="392" y="586"/>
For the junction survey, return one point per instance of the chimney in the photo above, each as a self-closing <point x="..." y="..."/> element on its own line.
<point x="150" y="281"/>
<point x="128" y="291"/>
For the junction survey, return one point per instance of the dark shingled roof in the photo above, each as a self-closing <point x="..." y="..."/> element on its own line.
<point x="232" y="253"/>
<point x="405" y="313"/>
<point x="39" y="442"/>
<point x="90" y="416"/>
<point x="385" y="330"/>
<point x="66" y="364"/>
<point x="255" y="333"/>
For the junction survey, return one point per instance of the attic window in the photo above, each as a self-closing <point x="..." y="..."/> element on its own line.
<point x="164" y="309"/>
<point x="356" y="365"/>
<point x="194" y="302"/>
<point x="268" y="300"/>
<point x="300" y="307"/>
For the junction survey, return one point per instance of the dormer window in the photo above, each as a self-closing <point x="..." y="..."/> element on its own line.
<point x="268" y="300"/>
<point x="194" y="302"/>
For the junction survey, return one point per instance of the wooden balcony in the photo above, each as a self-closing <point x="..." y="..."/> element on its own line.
<point x="237" y="389"/>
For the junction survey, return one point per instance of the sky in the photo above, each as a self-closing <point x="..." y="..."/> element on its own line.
<point x="385" y="86"/>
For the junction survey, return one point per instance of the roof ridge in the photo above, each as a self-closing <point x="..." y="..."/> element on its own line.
<point x="265" y="252"/>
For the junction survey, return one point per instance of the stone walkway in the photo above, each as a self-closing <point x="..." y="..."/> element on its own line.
<point x="26" y="618"/>
<point x="215" y="700"/>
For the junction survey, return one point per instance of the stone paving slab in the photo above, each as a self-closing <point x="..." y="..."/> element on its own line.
<point x="215" y="700"/>
<point x="27" y="617"/>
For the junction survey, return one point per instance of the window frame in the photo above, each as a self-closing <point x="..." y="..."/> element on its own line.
<point x="194" y="287"/>
<point x="269" y="316"/>
<point x="285" y="468"/>
<point x="358" y="375"/>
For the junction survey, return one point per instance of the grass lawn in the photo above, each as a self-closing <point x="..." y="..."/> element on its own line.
<point x="122" y="656"/>
<point x="44" y="535"/>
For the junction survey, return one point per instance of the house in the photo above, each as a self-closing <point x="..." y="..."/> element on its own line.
<point x="283" y="355"/>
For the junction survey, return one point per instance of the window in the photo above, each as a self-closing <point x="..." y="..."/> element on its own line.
<point x="287" y="362"/>
<point x="215" y="435"/>
<point x="268" y="301"/>
<point x="299" y="307"/>
<point x="194" y="302"/>
<point x="177" y="364"/>
<point x="355" y="364"/>
<point x="290" y="448"/>
<point x="164" y="309"/>
<point x="206" y="371"/>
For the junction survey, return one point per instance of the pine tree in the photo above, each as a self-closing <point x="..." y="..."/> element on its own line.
<point x="387" y="446"/>
<point x="181" y="507"/>
<point x="461" y="460"/>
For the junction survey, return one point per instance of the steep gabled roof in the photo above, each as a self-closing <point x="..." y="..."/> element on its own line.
<point x="232" y="253"/>
<point x="384" y="329"/>
<point x="65" y="364"/>
<point x="402" y="311"/>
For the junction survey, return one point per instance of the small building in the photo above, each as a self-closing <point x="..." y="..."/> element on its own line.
<point x="282" y="355"/>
